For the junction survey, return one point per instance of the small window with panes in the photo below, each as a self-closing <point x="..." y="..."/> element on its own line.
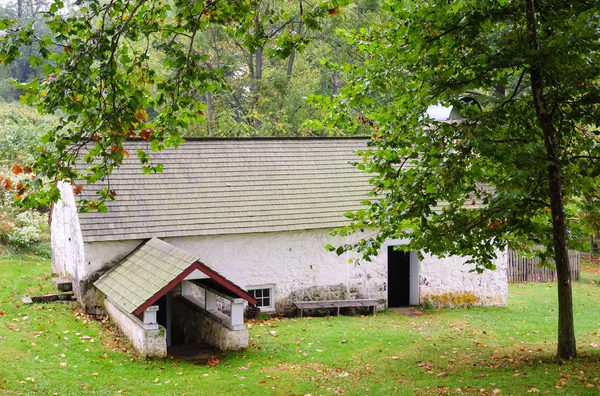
<point x="264" y="296"/>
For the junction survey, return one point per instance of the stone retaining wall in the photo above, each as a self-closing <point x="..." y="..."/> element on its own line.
<point x="151" y="343"/>
<point x="198" y="326"/>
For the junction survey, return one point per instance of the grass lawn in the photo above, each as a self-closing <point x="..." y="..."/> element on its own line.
<point x="56" y="349"/>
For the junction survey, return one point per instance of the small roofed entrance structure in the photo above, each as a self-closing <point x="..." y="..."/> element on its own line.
<point x="161" y="295"/>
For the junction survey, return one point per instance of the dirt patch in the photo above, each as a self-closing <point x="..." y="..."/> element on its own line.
<point x="197" y="353"/>
<point x="407" y="311"/>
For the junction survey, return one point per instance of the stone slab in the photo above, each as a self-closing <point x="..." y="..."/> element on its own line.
<point x="63" y="284"/>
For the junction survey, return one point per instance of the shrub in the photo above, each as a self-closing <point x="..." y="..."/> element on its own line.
<point x="29" y="227"/>
<point x="7" y="223"/>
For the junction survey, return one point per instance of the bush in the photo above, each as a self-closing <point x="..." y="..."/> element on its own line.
<point x="24" y="229"/>
<point x="29" y="228"/>
<point x="22" y="128"/>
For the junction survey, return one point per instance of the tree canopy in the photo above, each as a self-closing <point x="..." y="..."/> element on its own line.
<point x="158" y="70"/>
<point x="526" y="148"/>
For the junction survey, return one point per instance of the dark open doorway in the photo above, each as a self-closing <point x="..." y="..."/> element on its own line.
<point x="164" y="317"/>
<point x="178" y="347"/>
<point x="398" y="278"/>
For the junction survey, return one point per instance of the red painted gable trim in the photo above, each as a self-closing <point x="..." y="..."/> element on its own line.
<point x="232" y="287"/>
<point x="204" y="269"/>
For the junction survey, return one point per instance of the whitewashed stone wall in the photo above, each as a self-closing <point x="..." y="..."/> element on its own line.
<point x="84" y="263"/>
<point x="66" y="239"/>
<point x="199" y="326"/>
<point x="449" y="282"/>
<point x="100" y="256"/>
<point x="297" y="263"/>
<point x="146" y="342"/>
<point x="293" y="261"/>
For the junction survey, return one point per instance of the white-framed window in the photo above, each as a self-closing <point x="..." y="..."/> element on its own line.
<point x="265" y="296"/>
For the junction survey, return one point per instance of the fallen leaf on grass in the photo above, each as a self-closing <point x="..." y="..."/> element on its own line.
<point x="533" y="390"/>
<point x="62" y="364"/>
<point x="213" y="361"/>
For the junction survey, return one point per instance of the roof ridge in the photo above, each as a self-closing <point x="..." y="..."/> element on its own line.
<point x="263" y="138"/>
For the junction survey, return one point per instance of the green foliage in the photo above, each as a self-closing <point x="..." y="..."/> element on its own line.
<point x="22" y="130"/>
<point x="474" y="185"/>
<point x="26" y="65"/>
<point x="266" y="85"/>
<point x="29" y="228"/>
<point x="158" y="70"/>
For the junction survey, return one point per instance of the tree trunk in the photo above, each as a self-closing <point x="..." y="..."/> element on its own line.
<point x="208" y="96"/>
<point x="566" y="332"/>
<point x="258" y="69"/>
<point x="335" y="83"/>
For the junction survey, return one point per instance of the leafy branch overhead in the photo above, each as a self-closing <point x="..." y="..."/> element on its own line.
<point x="126" y="69"/>
<point x="474" y="184"/>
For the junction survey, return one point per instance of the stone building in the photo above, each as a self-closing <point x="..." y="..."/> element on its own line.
<point x="232" y="221"/>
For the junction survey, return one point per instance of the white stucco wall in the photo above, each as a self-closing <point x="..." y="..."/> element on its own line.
<point x="293" y="261"/>
<point x="449" y="282"/>
<point x="100" y="256"/>
<point x="296" y="263"/>
<point x="65" y="234"/>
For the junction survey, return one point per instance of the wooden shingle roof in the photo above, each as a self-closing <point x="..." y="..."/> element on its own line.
<point x="231" y="186"/>
<point x="152" y="270"/>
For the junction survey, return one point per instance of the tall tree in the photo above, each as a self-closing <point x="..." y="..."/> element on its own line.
<point x="24" y="12"/>
<point x="526" y="149"/>
<point x="264" y="93"/>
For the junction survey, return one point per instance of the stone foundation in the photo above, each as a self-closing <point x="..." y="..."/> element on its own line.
<point x="196" y="325"/>
<point x="90" y="298"/>
<point x="284" y="306"/>
<point x="460" y="299"/>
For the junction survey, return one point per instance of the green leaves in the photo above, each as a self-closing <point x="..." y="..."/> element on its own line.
<point x="475" y="184"/>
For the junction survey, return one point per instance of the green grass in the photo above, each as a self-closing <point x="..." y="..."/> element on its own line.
<point x="55" y="348"/>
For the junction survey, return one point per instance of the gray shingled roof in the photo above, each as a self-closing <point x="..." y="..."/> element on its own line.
<point x="144" y="273"/>
<point x="229" y="186"/>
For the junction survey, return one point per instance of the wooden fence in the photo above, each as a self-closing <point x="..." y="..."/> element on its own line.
<point x="521" y="269"/>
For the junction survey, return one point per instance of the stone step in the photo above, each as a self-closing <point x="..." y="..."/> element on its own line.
<point x="63" y="284"/>
<point x="48" y="298"/>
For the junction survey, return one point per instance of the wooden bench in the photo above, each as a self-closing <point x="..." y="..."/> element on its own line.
<point x="337" y="304"/>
